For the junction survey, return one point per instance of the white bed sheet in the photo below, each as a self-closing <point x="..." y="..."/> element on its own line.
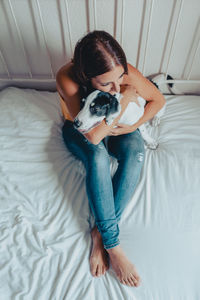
<point x="44" y="231"/>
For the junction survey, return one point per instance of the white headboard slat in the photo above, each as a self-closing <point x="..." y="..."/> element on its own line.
<point x="160" y="37"/>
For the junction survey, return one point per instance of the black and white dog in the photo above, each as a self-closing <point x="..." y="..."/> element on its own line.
<point x="99" y="105"/>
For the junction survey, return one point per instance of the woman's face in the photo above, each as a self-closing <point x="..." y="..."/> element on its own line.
<point x="110" y="81"/>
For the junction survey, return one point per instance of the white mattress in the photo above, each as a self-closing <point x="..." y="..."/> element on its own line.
<point x="44" y="231"/>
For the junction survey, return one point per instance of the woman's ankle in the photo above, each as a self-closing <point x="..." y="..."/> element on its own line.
<point x="114" y="250"/>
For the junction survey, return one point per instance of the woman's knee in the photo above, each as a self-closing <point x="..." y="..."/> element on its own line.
<point x="92" y="156"/>
<point x="135" y="154"/>
<point x="137" y="147"/>
<point x="136" y="151"/>
<point x="98" y="156"/>
<point x="131" y="146"/>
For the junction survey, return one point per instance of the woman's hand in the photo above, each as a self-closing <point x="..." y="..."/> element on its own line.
<point x="122" y="129"/>
<point x="130" y="93"/>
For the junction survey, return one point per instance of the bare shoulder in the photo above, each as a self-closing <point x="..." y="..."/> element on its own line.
<point x="65" y="70"/>
<point x="133" y="76"/>
<point x="143" y="86"/>
<point x="64" y="80"/>
<point x="68" y="89"/>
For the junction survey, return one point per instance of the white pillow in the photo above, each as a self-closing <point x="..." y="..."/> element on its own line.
<point x="187" y="87"/>
<point x="165" y="88"/>
<point x="27" y="105"/>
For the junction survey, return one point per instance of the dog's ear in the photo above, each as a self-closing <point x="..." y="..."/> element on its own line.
<point x="113" y="105"/>
<point x="113" y="110"/>
<point x="82" y="103"/>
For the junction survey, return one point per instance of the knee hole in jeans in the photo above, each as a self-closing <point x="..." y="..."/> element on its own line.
<point x="140" y="156"/>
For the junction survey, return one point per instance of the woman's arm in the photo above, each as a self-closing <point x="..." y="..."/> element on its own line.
<point x="101" y="131"/>
<point x="69" y="91"/>
<point x="147" y="90"/>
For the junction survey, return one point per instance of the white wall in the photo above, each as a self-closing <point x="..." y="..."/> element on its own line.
<point x="38" y="36"/>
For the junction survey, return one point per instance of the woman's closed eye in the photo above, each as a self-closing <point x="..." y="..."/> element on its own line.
<point x="107" y="83"/>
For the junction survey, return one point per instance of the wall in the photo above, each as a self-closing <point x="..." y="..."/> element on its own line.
<point x="38" y="36"/>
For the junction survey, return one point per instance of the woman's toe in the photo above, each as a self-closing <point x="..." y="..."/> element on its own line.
<point x="131" y="281"/>
<point x="103" y="270"/>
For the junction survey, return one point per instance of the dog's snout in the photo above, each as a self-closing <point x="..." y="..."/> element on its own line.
<point x="77" y="123"/>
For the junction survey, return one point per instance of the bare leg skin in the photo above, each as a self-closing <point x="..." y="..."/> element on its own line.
<point x="99" y="257"/>
<point x="124" y="269"/>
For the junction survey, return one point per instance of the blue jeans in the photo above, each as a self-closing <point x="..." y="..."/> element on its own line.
<point x="108" y="196"/>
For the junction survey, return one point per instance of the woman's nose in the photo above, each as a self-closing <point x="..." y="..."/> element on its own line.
<point x="116" y="87"/>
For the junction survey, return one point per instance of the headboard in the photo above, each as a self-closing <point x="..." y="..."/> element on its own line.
<point x="37" y="37"/>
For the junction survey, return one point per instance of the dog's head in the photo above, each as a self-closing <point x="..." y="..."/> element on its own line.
<point x="97" y="106"/>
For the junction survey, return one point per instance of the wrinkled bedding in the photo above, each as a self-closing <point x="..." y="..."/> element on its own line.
<point x="44" y="215"/>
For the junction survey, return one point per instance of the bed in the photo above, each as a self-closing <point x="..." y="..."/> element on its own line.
<point x="44" y="215"/>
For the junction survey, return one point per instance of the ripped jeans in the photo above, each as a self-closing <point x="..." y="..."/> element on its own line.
<point x="108" y="196"/>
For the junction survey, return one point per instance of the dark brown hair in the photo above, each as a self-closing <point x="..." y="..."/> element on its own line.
<point x="96" y="53"/>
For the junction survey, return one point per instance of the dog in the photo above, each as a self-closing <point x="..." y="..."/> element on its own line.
<point x="101" y="105"/>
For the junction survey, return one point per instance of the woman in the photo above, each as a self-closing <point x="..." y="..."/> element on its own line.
<point x="100" y="63"/>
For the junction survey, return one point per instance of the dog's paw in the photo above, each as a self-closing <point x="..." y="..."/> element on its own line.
<point x="109" y="121"/>
<point x="152" y="145"/>
<point x="155" y="121"/>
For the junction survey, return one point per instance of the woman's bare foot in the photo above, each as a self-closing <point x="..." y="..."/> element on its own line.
<point x="123" y="268"/>
<point x="99" y="257"/>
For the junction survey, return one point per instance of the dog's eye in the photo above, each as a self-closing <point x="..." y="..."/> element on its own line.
<point x="92" y="104"/>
